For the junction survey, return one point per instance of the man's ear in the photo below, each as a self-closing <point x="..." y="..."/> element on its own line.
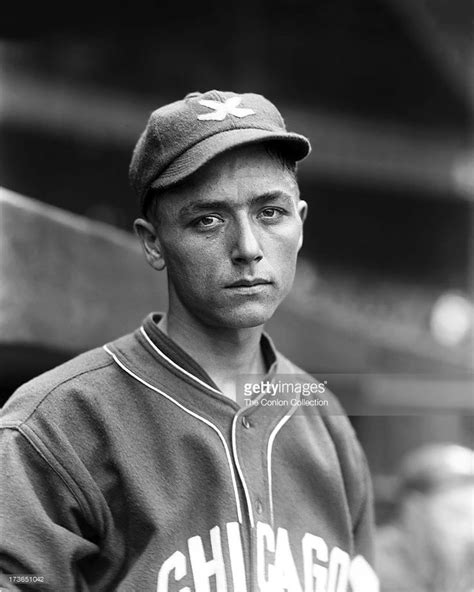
<point x="148" y="236"/>
<point x="302" y="207"/>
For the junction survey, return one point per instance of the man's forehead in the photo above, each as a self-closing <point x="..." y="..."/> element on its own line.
<point x="251" y="157"/>
<point x="248" y="165"/>
<point x="242" y="175"/>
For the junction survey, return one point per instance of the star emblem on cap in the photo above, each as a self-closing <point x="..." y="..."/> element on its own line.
<point x="221" y="110"/>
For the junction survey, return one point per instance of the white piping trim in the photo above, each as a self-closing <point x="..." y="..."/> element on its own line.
<point x="271" y="439"/>
<point x="207" y="422"/>
<point x="177" y="366"/>
<point x="239" y="470"/>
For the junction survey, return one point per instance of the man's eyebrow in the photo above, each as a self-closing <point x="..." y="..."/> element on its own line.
<point x="272" y="196"/>
<point x="200" y="206"/>
<point x="206" y="205"/>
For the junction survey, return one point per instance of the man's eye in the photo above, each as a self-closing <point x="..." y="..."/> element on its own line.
<point x="271" y="213"/>
<point x="207" y="222"/>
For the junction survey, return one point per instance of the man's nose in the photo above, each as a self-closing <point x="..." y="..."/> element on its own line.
<point x="246" y="246"/>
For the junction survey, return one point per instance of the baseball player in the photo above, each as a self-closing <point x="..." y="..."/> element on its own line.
<point x="191" y="455"/>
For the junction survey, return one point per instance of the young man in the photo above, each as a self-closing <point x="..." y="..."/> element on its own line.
<point x="146" y="464"/>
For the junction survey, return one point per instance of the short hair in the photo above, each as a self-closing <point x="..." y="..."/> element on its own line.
<point x="272" y="148"/>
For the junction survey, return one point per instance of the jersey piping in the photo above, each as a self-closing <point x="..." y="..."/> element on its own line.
<point x="271" y="440"/>
<point x="239" y="470"/>
<point x="231" y="452"/>
<point x="175" y="365"/>
<point x="193" y="414"/>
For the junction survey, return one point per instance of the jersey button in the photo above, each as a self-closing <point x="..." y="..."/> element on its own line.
<point x="245" y="422"/>
<point x="259" y="507"/>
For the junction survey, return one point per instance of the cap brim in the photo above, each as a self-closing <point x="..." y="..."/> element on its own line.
<point x="295" y="146"/>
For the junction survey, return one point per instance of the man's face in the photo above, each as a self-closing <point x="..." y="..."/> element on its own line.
<point x="230" y="238"/>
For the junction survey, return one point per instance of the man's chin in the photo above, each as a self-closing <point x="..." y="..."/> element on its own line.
<point x="246" y="317"/>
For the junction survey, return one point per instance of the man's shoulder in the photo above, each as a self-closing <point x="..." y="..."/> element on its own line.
<point x="80" y="377"/>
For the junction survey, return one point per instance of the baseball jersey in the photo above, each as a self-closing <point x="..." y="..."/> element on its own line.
<point x="127" y="469"/>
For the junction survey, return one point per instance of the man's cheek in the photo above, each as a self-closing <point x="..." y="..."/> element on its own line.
<point x="188" y="259"/>
<point x="284" y="254"/>
<point x="287" y="238"/>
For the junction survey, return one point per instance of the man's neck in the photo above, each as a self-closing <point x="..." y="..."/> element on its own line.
<point x="225" y="354"/>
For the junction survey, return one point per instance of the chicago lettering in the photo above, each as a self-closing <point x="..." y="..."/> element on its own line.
<point x="321" y="569"/>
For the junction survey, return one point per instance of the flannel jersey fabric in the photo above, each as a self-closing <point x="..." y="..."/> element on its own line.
<point x="127" y="469"/>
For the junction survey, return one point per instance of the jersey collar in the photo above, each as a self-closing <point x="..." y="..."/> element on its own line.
<point x="186" y="363"/>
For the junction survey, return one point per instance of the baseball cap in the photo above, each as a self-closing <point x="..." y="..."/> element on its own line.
<point x="183" y="136"/>
<point x="435" y="466"/>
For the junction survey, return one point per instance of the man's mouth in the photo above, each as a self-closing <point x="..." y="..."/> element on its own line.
<point x="249" y="283"/>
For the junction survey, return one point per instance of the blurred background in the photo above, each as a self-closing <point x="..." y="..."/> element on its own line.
<point x="383" y="302"/>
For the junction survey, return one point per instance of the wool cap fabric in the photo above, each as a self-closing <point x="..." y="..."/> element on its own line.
<point x="183" y="136"/>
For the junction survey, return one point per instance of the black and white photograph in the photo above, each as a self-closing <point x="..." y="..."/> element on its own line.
<point x="237" y="296"/>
